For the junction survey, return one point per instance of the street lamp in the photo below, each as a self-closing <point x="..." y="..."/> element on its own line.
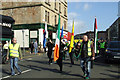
<point x="23" y="42"/>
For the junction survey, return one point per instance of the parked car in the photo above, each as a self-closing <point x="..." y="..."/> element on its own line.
<point x="113" y="51"/>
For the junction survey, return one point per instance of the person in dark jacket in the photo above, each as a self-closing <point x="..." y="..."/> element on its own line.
<point x="77" y="50"/>
<point x="31" y="47"/>
<point x="61" y="52"/>
<point x="50" y="47"/>
<point x="87" y="54"/>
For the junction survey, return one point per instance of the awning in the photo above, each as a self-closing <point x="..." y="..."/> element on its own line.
<point x="6" y="19"/>
<point x="5" y="39"/>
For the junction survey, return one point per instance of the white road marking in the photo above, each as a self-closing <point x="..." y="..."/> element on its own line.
<point x="29" y="59"/>
<point x="15" y="74"/>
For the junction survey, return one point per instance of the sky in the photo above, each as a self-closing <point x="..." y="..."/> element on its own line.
<point x="83" y="14"/>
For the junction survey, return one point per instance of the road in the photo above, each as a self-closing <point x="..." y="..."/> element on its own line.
<point x="36" y="66"/>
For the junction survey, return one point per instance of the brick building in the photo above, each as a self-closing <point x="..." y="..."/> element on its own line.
<point x="30" y="18"/>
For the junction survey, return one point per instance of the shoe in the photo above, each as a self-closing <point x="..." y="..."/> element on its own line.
<point x="84" y="75"/>
<point x="86" y="78"/>
<point x="19" y="73"/>
<point x="12" y="74"/>
<point x="51" y="63"/>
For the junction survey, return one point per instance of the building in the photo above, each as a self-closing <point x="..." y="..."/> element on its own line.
<point x="90" y="34"/>
<point x="113" y="31"/>
<point x="30" y="18"/>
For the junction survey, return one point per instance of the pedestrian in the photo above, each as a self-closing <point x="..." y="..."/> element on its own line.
<point x="5" y="47"/>
<point x="71" y="56"/>
<point x="102" y="48"/>
<point x="31" y="47"/>
<point x="87" y="54"/>
<point x="36" y="47"/>
<point x="50" y="48"/>
<point x="61" y="52"/>
<point x="77" y="50"/>
<point x="14" y="52"/>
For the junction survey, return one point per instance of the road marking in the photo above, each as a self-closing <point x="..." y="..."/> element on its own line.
<point x="15" y="74"/>
<point x="29" y="59"/>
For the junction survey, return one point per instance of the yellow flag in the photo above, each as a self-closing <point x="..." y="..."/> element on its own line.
<point x="72" y="39"/>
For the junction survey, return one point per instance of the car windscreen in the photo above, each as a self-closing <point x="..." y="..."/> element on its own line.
<point x="114" y="45"/>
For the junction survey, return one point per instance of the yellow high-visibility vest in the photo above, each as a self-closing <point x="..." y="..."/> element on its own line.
<point x="14" y="50"/>
<point x="102" y="45"/>
<point x="89" y="48"/>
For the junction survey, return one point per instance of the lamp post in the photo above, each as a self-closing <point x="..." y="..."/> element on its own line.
<point x="23" y="43"/>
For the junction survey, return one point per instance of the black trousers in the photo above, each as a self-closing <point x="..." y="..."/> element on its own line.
<point x="59" y="61"/>
<point x="71" y="57"/>
<point x="31" y="50"/>
<point x="102" y="52"/>
<point x="49" y="54"/>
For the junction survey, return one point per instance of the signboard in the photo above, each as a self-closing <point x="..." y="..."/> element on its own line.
<point x="33" y="34"/>
<point x="5" y="24"/>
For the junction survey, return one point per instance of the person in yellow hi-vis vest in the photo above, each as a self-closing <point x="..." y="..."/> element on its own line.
<point x="14" y="52"/>
<point x="86" y="55"/>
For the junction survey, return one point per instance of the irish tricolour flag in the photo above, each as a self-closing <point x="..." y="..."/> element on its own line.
<point x="95" y="35"/>
<point x="57" y="43"/>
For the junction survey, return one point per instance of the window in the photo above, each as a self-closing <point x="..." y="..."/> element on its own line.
<point x="46" y="16"/>
<point x="55" y="4"/>
<point x="55" y="19"/>
<point x="65" y="25"/>
<point x="59" y="8"/>
<point x="65" y="11"/>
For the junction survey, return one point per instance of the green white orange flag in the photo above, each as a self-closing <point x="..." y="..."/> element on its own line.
<point x="57" y="43"/>
<point x="72" y="39"/>
<point x="95" y="35"/>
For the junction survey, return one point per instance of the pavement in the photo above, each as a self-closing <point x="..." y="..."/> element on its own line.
<point x="36" y="66"/>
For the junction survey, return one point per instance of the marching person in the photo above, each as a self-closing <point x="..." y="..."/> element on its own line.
<point x="50" y="47"/>
<point x="77" y="50"/>
<point x="59" y="61"/>
<point x="71" y="57"/>
<point x="14" y="52"/>
<point x="5" y="47"/>
<point x="102" y="48"/>
<point x="87" y="53"/>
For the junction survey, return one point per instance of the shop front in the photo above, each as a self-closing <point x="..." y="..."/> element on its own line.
<point x="6" y="34"/>
<point x="32" y="32"/>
